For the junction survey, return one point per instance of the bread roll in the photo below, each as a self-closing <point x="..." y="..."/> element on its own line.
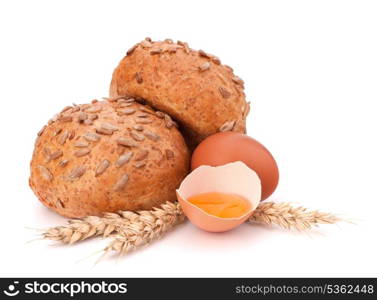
<point x="193" y="87"/>
<point x="107" y="156"/>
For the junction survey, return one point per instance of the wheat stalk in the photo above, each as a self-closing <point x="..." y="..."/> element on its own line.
<point x="134" y="229"/>
<point x="290" y="217"/>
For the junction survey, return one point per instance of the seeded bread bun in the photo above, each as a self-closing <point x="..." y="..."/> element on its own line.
<point x="193" y="87"/>
<point x="107" y="156"/>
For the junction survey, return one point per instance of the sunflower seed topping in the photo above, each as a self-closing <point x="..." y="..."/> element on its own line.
<point x="142" y="154"/>
<point x="138" y="77"/>
<point x="123" y="159"/>
<point x="143" y="121"/>
<point x="82" y="152"/>
<point x="151" y="135"/>
<point x="205" y="66"/>
<point x="140" y="164"/>
<point x="104" y="131"/>
<point x="136" y="136"/>
<point x="227" y="126"/>
<point x="126" y="111"/>
<point x="63" y="163"/>
<point x="103" y="165"/>
<point x="77" y="172"/>
<point x="155" y="51"/>
<point x="138" y="127"/>
<point x="66" y="118"/>
<point x="203" y="54"/>
<point x="63" y="137"/>
<point x="56" y="154"/>
<point x="81" y="144"/>
<point x="121" y="183"/>
<point x="238" y="80"/>
<point x="126" y="142"/>
<point x="40" y="132"/>
<point x="93" y="109"/>
<point x="92" y="137"/>
<point x="109" y="126"/>
<point x="45" y="173"/>
<point x="82" y="117"/>
<point x="224" y="92"/>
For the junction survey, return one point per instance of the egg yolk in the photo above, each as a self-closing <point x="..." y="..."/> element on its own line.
<point x="221" y="205"/>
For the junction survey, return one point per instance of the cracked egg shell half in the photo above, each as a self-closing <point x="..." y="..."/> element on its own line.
<point x="107" y="156"/>
<point x="234" y="187"/>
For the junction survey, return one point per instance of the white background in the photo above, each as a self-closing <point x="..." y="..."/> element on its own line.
<point x="310" y="69"/>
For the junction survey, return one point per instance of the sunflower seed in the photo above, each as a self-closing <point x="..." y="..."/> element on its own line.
<point x="229" y="68"/>
<point x="47" y="154"/>
<point x="56" y="154"/>
<point x="169" y="154"/>
<point x="92" y="137"/>
<point x="137" y="136"/>
<point x="227" y="126"/>
<point x="94" y="101"/>
<point x="142" y="115"/>
<point x="148" y="39"/>
<point x="205" y="66"/>
<point x="75" y="108"/>
<point x="63" y="137"/>
<point x="126" y="104"/>
<point x="72" y="134"/>
<point x="57" y="131"/>
<point x="104" y="131"/>
<point x="151" y="135"/>
<point x="66" y="118"/>
<point x="93" y="117"/>
<point x="168" y="121"/>
<point x="138" y="127"/>
<point x="82" y="117"/>
<point x="60" y="203"/>
<point x="103" y="165"/>
<point x="82" y="152"/>
<point x="109" y="126"/>
<point x="81" y="144"/>
<point x="203" y="54"/>
<point x="123" y="159"/>
<point x="138" y="77"/>
<point x="127" y="111"/>
<point x="238" y="80"/>
<point x="40" y="132"/>
<point x="140" y="164"/>
<point x="169" y="41"/>
<point x="88" y="122"/>
<point x="155" y="51"/>
<point x="132" y="49"/>
<point x="126" y="142"/>
<point x="144" y="121"/>
<point x="216" y="60"/>
<point x="77" y="172"/>
<point x="121" y="183"/>
<point x="224" y="92"/>
<point x="45" y="173"/>
<point x="93" y="109"/>
<point x="142" y="154"/>
<point x="146" y="44"/>
<point x="63" y="163"/>
<point x="160" y="114"/>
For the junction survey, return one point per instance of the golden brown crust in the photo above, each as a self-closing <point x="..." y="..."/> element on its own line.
<point x="193" y="87"/>
<point x="107" y="156"/>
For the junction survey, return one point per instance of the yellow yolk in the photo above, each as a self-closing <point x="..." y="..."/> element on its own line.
<point x="221" y="205"/>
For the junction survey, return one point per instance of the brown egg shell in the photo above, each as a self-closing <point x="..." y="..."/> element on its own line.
<point x="226" y="147"/>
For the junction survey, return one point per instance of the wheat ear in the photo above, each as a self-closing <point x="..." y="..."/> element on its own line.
<point x="290" y="217"/>
<point x="269" y="213"/>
